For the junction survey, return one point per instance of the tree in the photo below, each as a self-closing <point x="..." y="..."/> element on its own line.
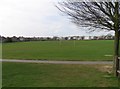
<point x="9" y="39"/>
<point x="96" y="15"/>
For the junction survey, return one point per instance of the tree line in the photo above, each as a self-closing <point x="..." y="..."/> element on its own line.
<point x="54" y="38"/>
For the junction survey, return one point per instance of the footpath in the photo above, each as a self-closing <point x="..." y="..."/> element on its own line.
<point x="56" y="62"/>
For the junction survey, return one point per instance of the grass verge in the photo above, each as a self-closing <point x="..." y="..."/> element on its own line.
<point x="54" y="75"/>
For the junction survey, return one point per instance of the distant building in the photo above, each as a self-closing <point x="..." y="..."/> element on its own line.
<point x="21" y="38"/>
<point x="14" y="39"/>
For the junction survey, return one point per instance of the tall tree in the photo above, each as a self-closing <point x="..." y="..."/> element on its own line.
<point x="97" y="15"/>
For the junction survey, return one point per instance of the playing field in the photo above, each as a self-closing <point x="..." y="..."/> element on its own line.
<point x="56" y="75"/>
<point x="59" y="50"/>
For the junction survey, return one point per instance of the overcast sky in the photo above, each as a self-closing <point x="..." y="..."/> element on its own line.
<point x="36" y="18"/>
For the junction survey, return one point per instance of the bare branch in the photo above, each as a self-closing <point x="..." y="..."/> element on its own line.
<point x="94" y="14"/>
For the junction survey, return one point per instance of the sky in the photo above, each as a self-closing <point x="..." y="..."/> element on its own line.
<point x="37" y="18"/>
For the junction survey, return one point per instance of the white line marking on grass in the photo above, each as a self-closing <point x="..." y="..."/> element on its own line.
<point x="108" y="55"/>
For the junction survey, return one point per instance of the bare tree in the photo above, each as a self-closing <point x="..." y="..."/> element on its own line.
<point x="97" y="15"/>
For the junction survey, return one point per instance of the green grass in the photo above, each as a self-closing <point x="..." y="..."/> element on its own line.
<point x="56" y="50"/>
<point x="53" y="75"/>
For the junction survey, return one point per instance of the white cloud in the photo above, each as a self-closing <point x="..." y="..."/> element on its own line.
<point x="34" y="18"/>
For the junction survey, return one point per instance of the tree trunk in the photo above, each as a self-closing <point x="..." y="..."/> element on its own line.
<point x="116" y="26"/>
<point x="116" y="61"/>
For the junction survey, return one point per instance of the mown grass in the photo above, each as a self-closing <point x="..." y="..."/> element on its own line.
<point x="54" y="75"/>
<point x="59" y="50"/>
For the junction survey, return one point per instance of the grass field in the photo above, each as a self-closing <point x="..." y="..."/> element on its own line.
<point x="59" y="50"/>
<point x="53" y="75"/>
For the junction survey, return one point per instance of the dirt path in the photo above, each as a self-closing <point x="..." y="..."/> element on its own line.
<point x="56" y="62"/>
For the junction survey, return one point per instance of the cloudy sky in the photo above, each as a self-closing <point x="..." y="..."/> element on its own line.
<point x="36" y="18"/>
